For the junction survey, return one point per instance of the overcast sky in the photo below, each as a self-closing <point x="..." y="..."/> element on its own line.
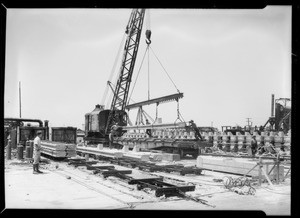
<point x="227" y="63"/>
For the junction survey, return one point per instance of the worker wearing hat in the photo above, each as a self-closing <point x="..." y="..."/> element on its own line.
<point x="112" y="133"/>
<point x="196" y="130"/>
<point x="253" y="145"/>
<point x="37" y="152"/>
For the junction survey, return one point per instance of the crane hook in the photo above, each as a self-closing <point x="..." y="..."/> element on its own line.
<point x="148" y="36"/>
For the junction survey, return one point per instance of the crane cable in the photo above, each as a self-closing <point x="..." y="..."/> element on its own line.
<point x="137" y="76"/>
<point x="164" y="69"/>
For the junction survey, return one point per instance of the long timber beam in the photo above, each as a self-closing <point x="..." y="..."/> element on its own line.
<point x="156" y="126"/>
<point x="173" y="97"/>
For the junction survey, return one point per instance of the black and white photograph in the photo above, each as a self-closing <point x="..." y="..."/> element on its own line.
<point x="148" y="109"/>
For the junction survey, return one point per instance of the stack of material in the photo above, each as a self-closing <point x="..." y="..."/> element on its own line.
<point x="114" y="153"/>
<point x="170" y="157"/>
<point x="241" y="141"/>
<point x="226" y="142"/>
<point x="287" y="141"/>
<point x="239" y="166"/>
<point x="278" y="139"/>
<point x="58" y="149"/>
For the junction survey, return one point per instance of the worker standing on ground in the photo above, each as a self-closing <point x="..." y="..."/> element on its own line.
<point x="253" y="145"/>
<point x="113" y="132"/>
<point x="196" y="130"/>
<point x="37" y="152"/>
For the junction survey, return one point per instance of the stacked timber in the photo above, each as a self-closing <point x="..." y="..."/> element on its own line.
<point x="58" y="149"/>
<point x="240" y="166"/>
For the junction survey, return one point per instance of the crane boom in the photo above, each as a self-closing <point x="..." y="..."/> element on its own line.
<point x="133" y="31"/>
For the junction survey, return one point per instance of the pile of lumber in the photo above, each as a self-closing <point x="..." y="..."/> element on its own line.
<point x="58" y="149"/>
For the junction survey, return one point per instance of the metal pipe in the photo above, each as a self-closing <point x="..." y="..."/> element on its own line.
<point x="272" y="106"/>
<point x="20" y="97"/>
<point x="25" y="120"/>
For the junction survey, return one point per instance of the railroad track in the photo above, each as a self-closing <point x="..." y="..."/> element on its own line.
<point x="155" y="183"/>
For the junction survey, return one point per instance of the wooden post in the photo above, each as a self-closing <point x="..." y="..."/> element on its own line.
<point x="259" y="170"/>
<point x="277" y="176"/>
<point x="8" y="150"/>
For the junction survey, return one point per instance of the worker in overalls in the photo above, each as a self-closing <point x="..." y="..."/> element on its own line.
<point x="113" y="132"/>
<point x="37" y="152"/>
<point x="253" y="145"/>
<point x="196" y="130"/>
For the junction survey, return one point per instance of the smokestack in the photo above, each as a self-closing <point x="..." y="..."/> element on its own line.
<point x="47" y="128"/>
<point x="272" y="106"/>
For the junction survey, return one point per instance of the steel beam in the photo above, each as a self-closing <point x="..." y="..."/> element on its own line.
<point x="156" y="126"/>
<point x="173" y="97"/>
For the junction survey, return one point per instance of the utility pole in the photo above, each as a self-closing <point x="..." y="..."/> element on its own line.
<point x="20" y="97"/>
<point x="248" y="121"/>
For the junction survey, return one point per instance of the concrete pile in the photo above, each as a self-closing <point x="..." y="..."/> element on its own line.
<point x="241" y="142"/>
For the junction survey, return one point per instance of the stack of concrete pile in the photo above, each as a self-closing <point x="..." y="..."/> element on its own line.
<point x="233" y="142"/>
<point x="260" y="138"/>
<point x="278" y="140"/>
<point x="269" y="137"/>
<point x="208" y="136"/>
<point x="248" y="139"/>
<point x="241" y="141"/>
<point x="58" y="149"/>
<point x="225" y="142"/>
<point x="216" y="138"/>
<point x="287" y="141"/>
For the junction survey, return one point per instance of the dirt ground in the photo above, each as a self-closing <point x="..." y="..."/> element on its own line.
<point x="63" y="186"/>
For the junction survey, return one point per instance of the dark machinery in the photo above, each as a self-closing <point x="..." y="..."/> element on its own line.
<point x="21" y="129"/>
<point x="282" y="119"/>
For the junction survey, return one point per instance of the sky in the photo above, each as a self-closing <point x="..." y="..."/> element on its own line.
<point x="227" y="62"/>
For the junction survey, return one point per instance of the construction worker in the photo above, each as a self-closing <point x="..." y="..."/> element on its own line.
<point x="113" y="131"/>
<point x="37" y="152"/>
<point x="148" y="131"/>
<point x="253" y="145"/>
<point x="196" y="130"/>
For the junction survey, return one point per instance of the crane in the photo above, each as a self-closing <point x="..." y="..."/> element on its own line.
<point x="133" y="30"/>
<point x="98" y="123"/>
